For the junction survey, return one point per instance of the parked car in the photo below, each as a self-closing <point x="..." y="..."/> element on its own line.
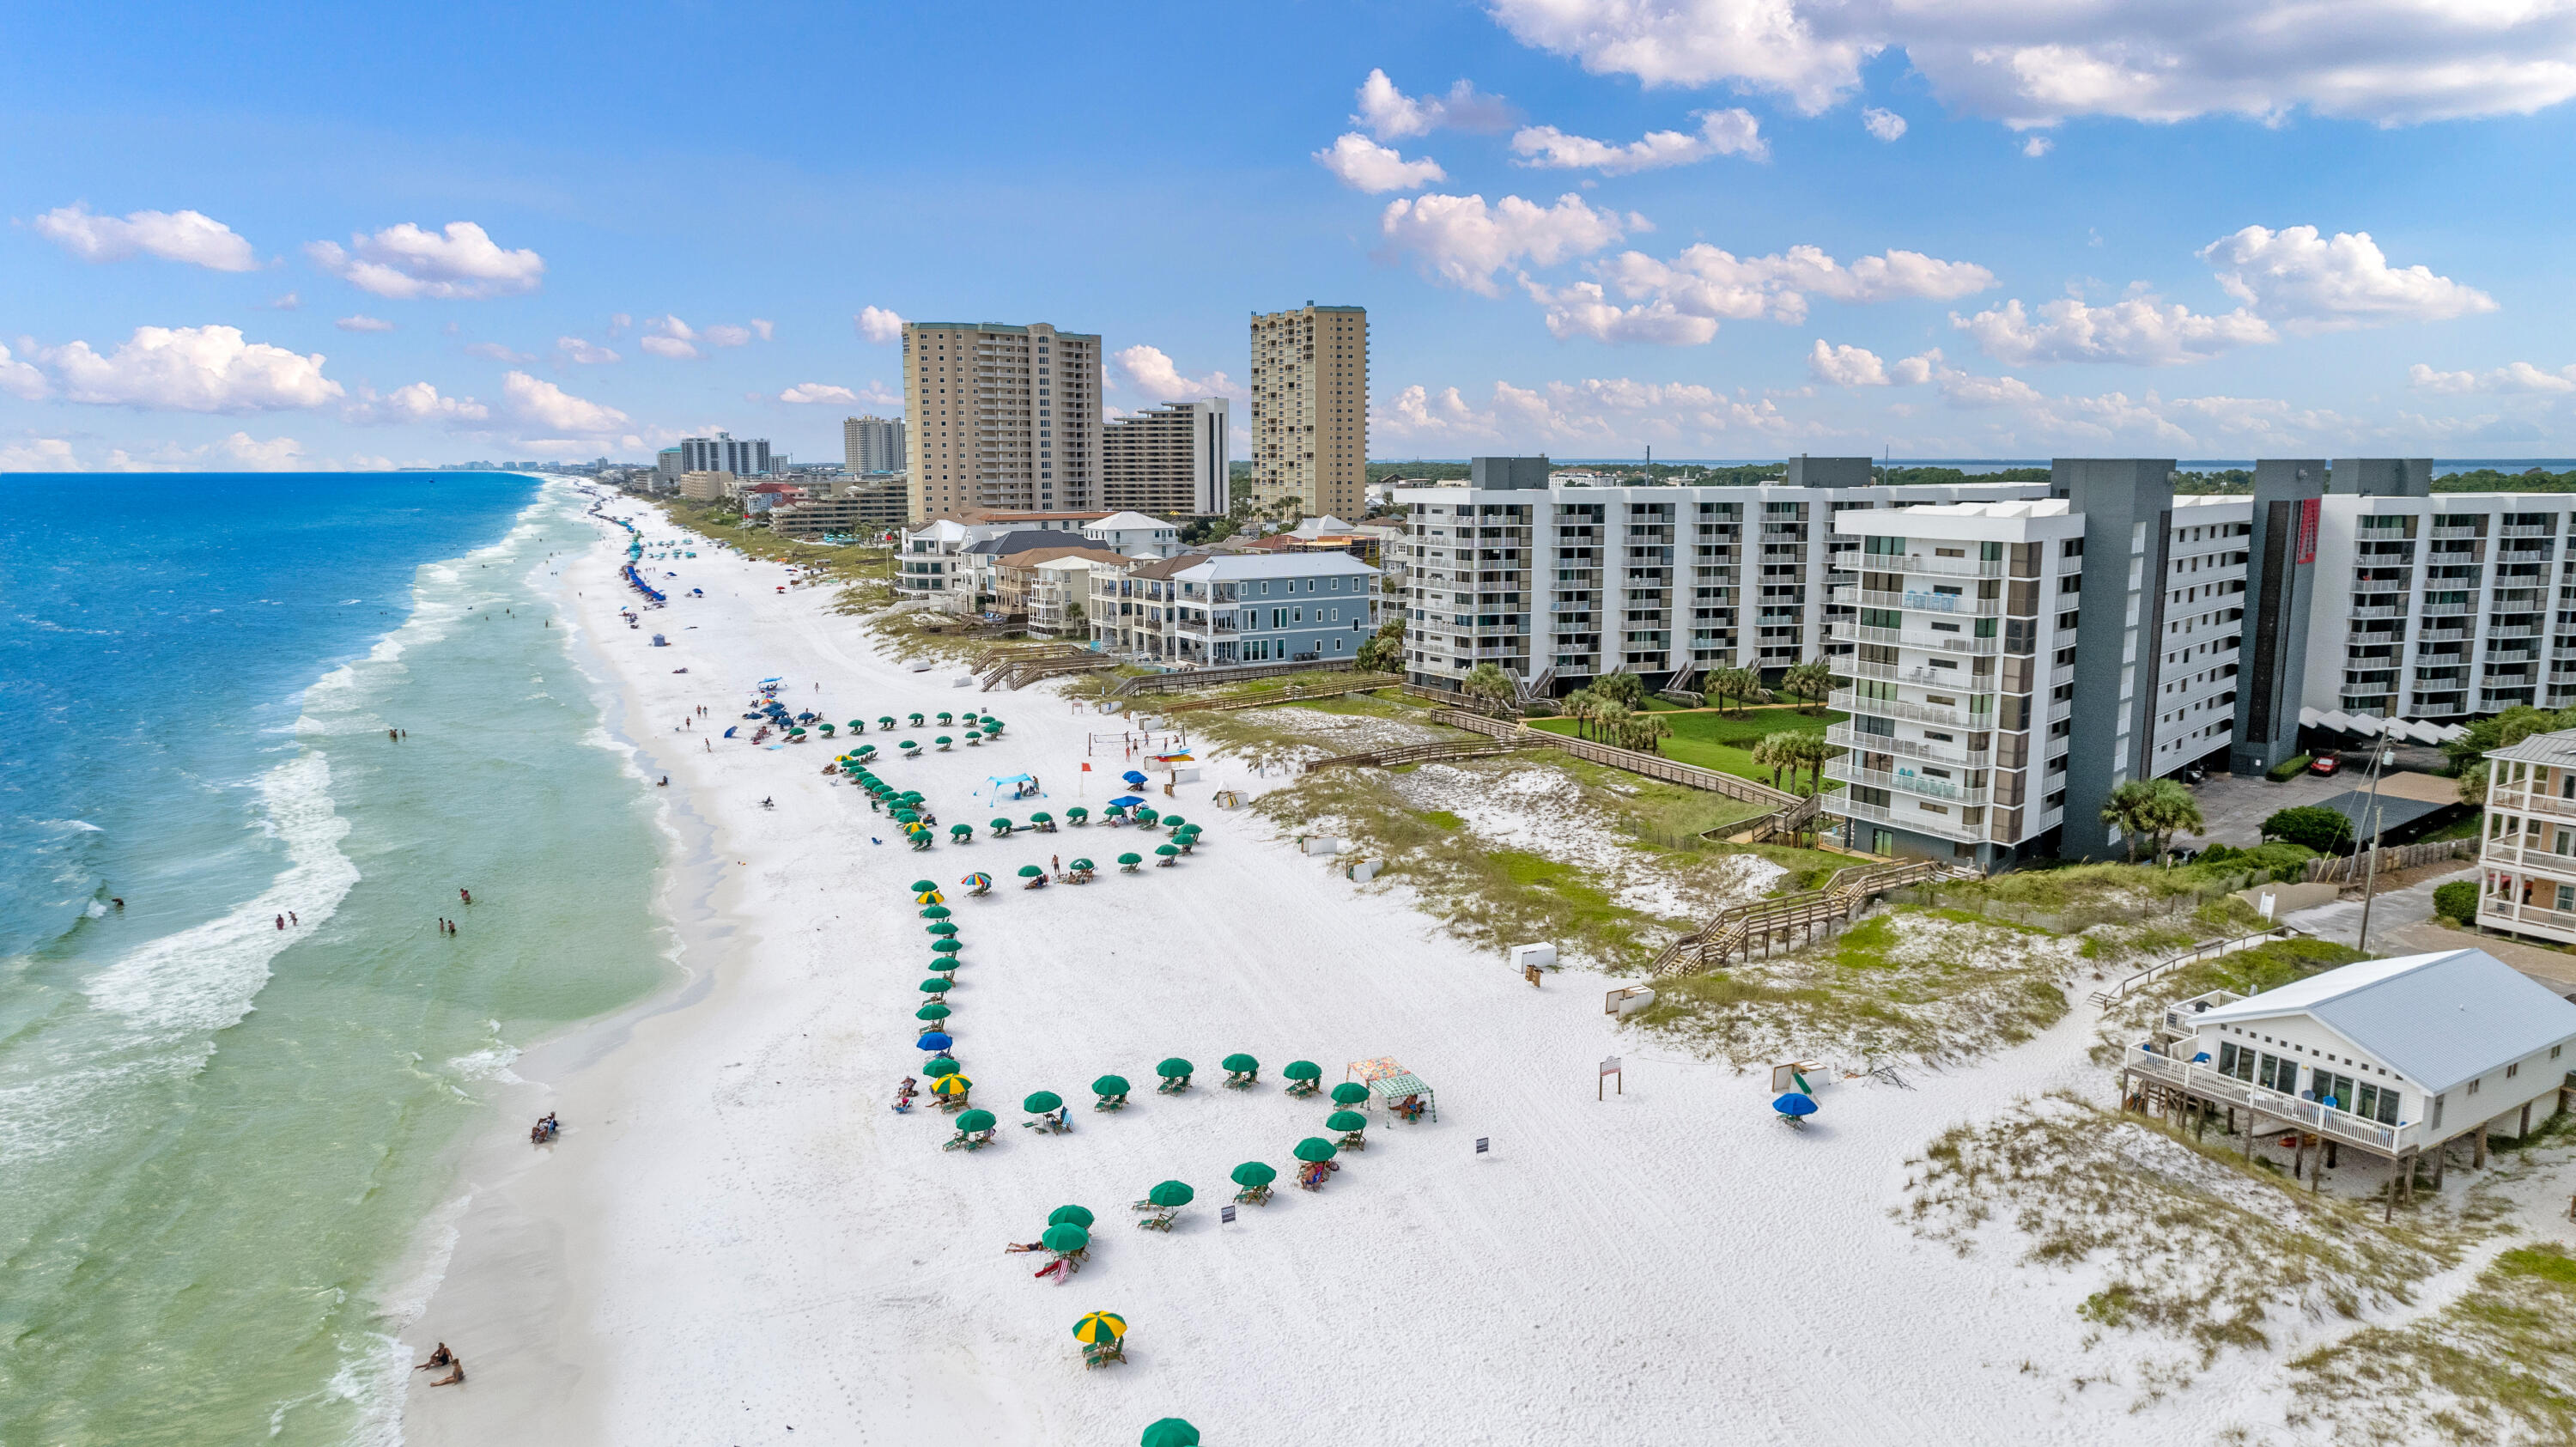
<point x="2325" y="764"/>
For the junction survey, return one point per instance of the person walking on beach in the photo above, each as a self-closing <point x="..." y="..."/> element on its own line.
<point x="281" y="921"/>
<point x="291" y="919"/>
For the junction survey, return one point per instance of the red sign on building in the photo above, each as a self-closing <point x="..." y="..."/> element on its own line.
<point x="2307" y="552"/>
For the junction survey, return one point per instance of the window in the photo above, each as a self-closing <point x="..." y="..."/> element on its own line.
<point x="2333" y="1088"/>
<point x="2474" y="1084"/>
<point x="2278" y="1074"/>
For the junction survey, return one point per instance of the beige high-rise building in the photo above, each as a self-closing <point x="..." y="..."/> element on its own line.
<point x="872" y="444"/>
<point x="1310" y="409"/>
<point x="1000" y="417"/>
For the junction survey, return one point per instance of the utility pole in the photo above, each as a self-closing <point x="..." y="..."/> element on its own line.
<point x="2370" y="871"/>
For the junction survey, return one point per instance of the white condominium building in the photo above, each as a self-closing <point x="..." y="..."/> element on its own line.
<point x="1310" y="409"/>
<point x="1002" y="417"/>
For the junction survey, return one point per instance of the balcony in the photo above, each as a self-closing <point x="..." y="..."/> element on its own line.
<point x="1953" y="679"/>
<point x="2527" y="530"/>
<point x="1926" y="602"/>
<point x="2396" y="612"/>
<point x="2459" y="532"/>
<point x="2519" y="630"/>
<point x="1944" y="567"/>
<point x="1945" y="790"/>
<point x="1929" y="713"/>
<point x="1932" y="643"/>
<point x="1933" y="824"/>
<point x="2274" y="1107"/>
<point x="2062" y="673"/>
<point x="2449" y="610"/>
<point x="1843" y="735"/>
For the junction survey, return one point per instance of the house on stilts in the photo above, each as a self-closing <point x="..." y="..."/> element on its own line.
<point x="2399" y="1058"/>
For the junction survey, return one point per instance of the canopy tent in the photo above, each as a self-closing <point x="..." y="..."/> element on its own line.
<point x="1391" y="1088"/>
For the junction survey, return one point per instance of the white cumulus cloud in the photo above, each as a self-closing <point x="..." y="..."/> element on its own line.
<point x="2310" y="282"/>
<point x="1389" y="114"/>
<point x="1847" y="366"/>
<point x="549" y="411"/>
<point x="1462" y="241"/>
<point x="2037" y="146"/>
<point x="21" y="379"/>
<point x="1149" y="371"/>
<point x="1882" y="124"/>
<point x="1731" y="132"/>
<point x="496" y="352"/>
<point x="804" y="392"/>
<point x="668" y="336"/>
<point x="2388" y="61"/>
<point x="582" y="352"/>
<point x="188" y="369"/>
<point x="1596" y="414"/>
<point x="2511" y="377"/>
<point x="363" y="324"/>
<point x="419" y="402"/>
<point x="189" y="236"/>
<point x="2141" y="331"/>
<point x="39" y="454"/>
<point x="404" y="262"/>
<point x="1364" y="165"/>
<point x="878" y="325"/>
<point x="1684" y="299"/>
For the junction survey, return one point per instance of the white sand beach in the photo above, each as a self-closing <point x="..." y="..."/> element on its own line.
<point x="736" y="1237"/>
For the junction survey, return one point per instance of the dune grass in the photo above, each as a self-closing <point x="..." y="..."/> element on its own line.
<point x="1719" y="741"/>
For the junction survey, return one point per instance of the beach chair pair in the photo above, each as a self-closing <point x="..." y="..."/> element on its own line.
<point x="968" y="1141"/>
<point x="1111" y="1102"/>
<point x="1101" y="1354"/>
<point x="1048" y="1125"/>
<point x="1161" y="1220"/>
<point x="1172" y="1085"/>
<point x="1241" y="1079"/>
<point x="1254" y="1195"/>
<point x="1303" y="1088"/>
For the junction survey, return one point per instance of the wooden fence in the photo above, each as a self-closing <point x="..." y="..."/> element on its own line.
<point x="1215" y="677"/>
<point x="1653" y="766"/>
<point x="1334" y="688"/>
<point x="2210" y="951"/>
<point x="2351" y="868"/>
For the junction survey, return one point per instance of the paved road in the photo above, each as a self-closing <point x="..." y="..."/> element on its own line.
<point x="2401" y="922"/>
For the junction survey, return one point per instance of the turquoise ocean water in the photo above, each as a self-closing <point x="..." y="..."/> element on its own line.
<point x="220" y="1141"/>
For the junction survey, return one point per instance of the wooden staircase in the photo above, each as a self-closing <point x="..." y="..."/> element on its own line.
<point x="1413" y="754"/>
<point x="1333" y="687"/>
<point x="1767" y="923"/>
<point x="1019" y="670"/>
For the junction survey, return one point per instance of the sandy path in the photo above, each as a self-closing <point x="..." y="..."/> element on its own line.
<point x="736" y="1236"/>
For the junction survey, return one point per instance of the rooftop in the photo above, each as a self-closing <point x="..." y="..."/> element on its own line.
<point x="1289" y="565"/>
<point x="2557" y="751"/>
<point x="2439" y="1019"/>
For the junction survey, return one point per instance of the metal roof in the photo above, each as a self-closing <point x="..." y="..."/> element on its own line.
<point x="2438" y="1019"/>
<point x="1231" y="566"/>
<point x="2556" y="750"/>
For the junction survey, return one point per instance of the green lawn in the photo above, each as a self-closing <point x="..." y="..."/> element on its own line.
<point x="1721" y="741"/>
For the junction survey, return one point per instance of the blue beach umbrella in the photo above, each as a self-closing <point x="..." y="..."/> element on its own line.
<point x="1794" y="1104"/>
<point x="1128" y="801"/>
<point x="934" y="1040"/>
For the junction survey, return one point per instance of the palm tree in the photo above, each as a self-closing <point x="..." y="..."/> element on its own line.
<point x="2133" y="810"/>
<point x="1809" y="748"/>
<point x="1812" y="680"/>
<point x="1489" y="683"/>
<point x="1582" y="706"/>
<point x="1621" y="688"/>
<point x="2173" y="811"/>
<point x="1610" y="721"/>
<point x="1646" y="730"/>
<point x="1771" y="751"/>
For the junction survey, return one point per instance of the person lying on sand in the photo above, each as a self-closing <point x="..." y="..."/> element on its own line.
<point x="1020" y="1246"/>
<point x="438" y="1358"/>
<point x="455" y="1374"/>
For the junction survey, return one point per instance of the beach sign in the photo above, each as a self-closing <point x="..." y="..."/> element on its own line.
<point x="1609" y="1068"/>
<point x="1225" y="1214"/>
<point x="1484" y="1143"/>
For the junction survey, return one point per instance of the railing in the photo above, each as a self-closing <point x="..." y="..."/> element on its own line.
<point x="1413" y="754"/>
<point x="1918" y="822"/>
<point x="1228" y="673"/>
<point x="1845" y="736"/>
<point x="2508" y="915"/>
<point x="1735" y="931"/>
<point x="1926" y="563"/>
<point x="2517" y="630"/>
<point x="2208" y="951"/>
<point x="1844" y="771"/>
<point x="2336" y="1125"/>
<point x="1956" y="680"/>
<point x="1922" y="602"/>
<point x="1294" y="692"/>
<point x="1653" y="766"/>
<point x="2350" y="868"/>
<point x="1848" y="702"/>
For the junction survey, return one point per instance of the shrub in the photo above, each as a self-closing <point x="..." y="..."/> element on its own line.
<point x="2280" y="860"/>
<point x="2288" y="769"/>
<point x="2313" y="825"/>
<point x="2457" y="900"/>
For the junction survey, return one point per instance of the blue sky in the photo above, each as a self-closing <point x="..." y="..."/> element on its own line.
<point x="1727" y="228"/>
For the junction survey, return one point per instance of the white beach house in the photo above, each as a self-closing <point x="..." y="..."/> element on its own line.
<point x="2527" y="866"/>
<point x="2398" y="1056"/>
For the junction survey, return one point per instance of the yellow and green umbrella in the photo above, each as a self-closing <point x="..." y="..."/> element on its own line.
<point x="951" y="1085"/>
<point x="1100" y="1328"/>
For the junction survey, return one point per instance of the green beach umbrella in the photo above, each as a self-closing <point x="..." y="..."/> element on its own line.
<point x="1239" y="1062"/>
<point x="1041" y="817"/>
<point x="961" y="831"/>
<point x="1254" y="1173"/>
<point x="1117" y="810"/>
<point x="1349" y="1092"/>
<point x="1031" y="871"/>
<point x="946" y="719"/>
<point x="1315" y="1150"/>
<point x="975" y="1120"/>
<point x="1041" y="1102"/>
<point x="916" y="719"/>
<point x="1346" y="1120"/>
<point x="937" y="986"/>
<point x="932" y="1011"/>
<point x="943" y="741"/>
<point x="1167" y="850"/>
<point x="906" y="816"/>
<point x="1083" y="864"/>
<point x="1303" y="1070"/>
<point x="939" y="1067"/>
<point x="1146" y="816"/>
<point x="1064" y="1238"/>
<point x="1169" y="1432"/>
<point x="1074" y="1214"/>
<point x="1131" y="858"/>
<point x="1077" y="812"/>
<point x="1174" y="1066"/>
<point x="923" y="886"/>
<point x="885" y="720"/>
<point x="1172" y="1193"/>
<point x="936" y="911"/>
<point x="1173" y="821"/>
<point x="1109" y="1085"/>
<point x="999" y="826"/>
<point x="912" y="796"/>
<point x="858" y="726"/>
<point x="945" y="947"/>
<point x="941" y="927"/>
<point x="973" y="737"/>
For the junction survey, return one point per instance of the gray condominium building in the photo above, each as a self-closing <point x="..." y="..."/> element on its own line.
<point x="2015" y="651"/>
